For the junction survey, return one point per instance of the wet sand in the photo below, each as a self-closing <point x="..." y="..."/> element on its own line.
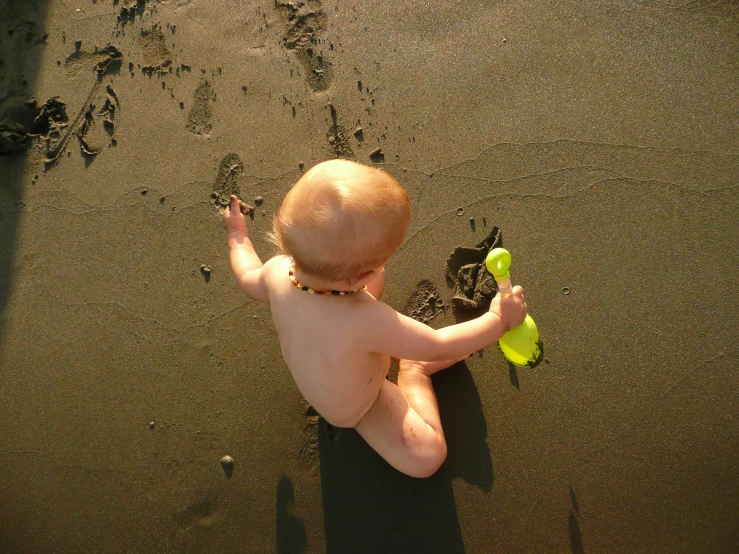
<point x="601" y="138"/>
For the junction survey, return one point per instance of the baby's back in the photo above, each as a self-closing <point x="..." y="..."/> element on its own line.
<point x="320" y="341"/>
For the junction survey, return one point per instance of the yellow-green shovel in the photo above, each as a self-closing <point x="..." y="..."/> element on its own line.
<point x="521" y="345"/>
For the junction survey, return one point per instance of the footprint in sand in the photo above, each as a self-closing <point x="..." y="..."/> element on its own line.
<point x="23" y="121"/>
<point x="227" y="180"/>
<point x="303" y="22"/>
<point x="129" y="10"/>
<point x="424" y="303"/>
<point x="85" y="125"/>
<point x="98" y="126"/>
<point x="100" y="60"/>
<point x="155" y="56"/>
<point x="200" y="116"/>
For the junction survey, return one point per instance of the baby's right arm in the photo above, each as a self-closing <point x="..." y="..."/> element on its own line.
<point x="392" y="333"/>
<point x="245" y="262"/>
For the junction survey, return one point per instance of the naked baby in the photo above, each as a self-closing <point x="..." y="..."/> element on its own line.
<point x="336" y="230"/>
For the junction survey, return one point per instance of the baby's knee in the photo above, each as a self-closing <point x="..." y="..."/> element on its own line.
<point x="430" y="462"/>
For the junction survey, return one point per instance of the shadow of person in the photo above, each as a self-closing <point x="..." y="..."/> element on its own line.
<point x="371" y="507"/>
<point x="465" y="427"/>
<point x="24" y="36"/>
<point x="291" y="537"/>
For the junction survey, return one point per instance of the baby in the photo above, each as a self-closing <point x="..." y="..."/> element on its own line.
<point x="337" y="228"/>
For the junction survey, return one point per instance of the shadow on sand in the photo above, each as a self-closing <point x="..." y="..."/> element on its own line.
<point x="22" y="40"/>
<point x="370" y="507"/>
<point x="291" y="536"/>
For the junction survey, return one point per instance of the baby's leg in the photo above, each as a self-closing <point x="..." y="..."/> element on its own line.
<point x="403" y="425"/>
<point x="375" y="286"/>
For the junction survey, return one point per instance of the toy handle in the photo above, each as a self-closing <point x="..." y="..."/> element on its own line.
<point x="505" y="288"/>
<point x="498" y="262"/>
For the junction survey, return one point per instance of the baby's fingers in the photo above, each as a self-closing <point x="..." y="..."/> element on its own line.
<point x="518" y="290"/>
<point x="239" y="206"/>
<point x="234" y="208"/>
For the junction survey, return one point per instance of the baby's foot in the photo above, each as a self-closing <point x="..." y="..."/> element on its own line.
<point x="429" y="368"/>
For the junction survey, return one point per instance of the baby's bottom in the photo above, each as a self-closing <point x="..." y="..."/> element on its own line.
<point x="403" y="424"/>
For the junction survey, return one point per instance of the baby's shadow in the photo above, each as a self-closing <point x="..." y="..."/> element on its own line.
<point x="371" y="507"/>
<point x="464" y="425"/>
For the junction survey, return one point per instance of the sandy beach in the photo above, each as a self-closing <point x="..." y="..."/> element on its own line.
<point x="601" y="138"/>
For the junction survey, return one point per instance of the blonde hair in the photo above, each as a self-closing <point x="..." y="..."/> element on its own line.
<point x="342" y="219"/>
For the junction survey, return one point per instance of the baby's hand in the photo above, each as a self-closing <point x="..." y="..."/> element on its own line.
<point x="511" y="310"/>
<point x="233" y="215"/>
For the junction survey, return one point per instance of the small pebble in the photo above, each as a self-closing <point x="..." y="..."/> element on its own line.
<point x="259" y="200"/>
<point x="227" y="463"/>
<point x="204" y="269"/>
<point x="301" y="165"/>
<point x="566" y="291"/>
<point x="460" y="211"/>
<point x="152" y="425"/>
<point x="162" y="199"/>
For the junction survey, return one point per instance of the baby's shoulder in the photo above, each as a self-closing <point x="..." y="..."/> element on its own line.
<point x="274" y="267"/>
<point x="276" y="261"/>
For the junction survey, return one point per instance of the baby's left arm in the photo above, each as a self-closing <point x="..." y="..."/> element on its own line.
<point x="245" y="262"/>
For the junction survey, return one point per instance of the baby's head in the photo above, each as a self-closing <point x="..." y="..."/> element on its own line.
<point x="342" y="219"/>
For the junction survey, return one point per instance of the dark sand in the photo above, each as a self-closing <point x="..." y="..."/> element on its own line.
<point x="601" y="137"/>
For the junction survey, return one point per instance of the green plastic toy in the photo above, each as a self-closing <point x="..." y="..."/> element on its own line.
<point x="521" y="345"/>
